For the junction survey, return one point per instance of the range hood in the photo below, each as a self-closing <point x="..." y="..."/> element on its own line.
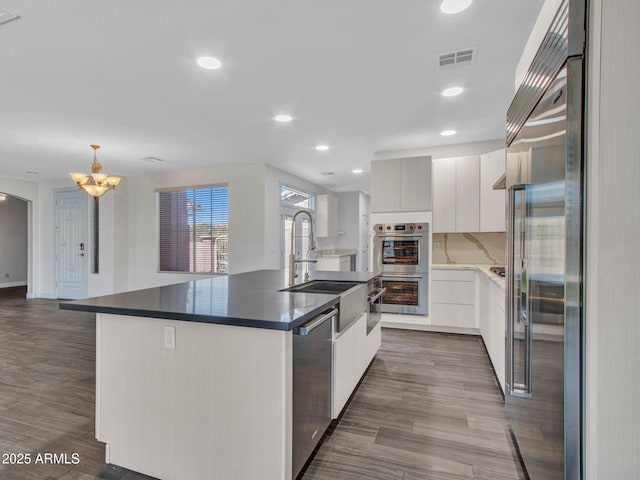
<point x="501" y="183"/>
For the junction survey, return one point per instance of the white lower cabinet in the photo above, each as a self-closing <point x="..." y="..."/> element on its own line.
<point x="340" y="263"/>
<point x="343" y="368"/>
<point x="453" y="298"/>
<point x="353" y="350"/>
<point x="493" y="325"/>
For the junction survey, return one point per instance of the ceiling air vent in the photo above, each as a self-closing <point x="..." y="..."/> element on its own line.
<point x="461" y="57"/>
<point x="6" y="16"/>
<point x="152" y="159"/>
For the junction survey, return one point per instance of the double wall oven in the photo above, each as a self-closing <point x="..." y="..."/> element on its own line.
<point x="401" y="254"/>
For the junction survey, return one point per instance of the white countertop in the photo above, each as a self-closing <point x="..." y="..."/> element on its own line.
<point x="498" y="280"/>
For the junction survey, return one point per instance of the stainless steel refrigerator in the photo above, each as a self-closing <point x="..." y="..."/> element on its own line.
<point x="545" y="140"/>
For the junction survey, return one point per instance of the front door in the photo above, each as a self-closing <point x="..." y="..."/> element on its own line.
<point x="71" y="252"/>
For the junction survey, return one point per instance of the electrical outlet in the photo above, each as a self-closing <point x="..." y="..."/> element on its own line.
<point x="436" y="246"/>
<point x="169" y="337"/>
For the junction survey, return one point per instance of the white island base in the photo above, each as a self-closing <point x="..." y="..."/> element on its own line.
<point x="218" y="405"/>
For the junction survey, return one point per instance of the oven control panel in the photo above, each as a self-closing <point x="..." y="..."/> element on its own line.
<point x="400" y="228"/>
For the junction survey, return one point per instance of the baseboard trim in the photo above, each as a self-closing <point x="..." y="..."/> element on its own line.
<point x="431" y="328"/>
<point x="13" y="284"/>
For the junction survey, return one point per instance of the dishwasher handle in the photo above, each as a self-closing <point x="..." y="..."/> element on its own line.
<point x="307" y="328"/>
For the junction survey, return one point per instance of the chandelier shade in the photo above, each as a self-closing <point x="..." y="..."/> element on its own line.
<point x="95" y="184"/>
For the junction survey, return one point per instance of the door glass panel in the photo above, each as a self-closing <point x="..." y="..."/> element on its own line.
<point x="401" y="292"/>
<point x="399" y="252"/>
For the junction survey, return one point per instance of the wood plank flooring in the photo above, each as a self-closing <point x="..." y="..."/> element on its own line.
<point x="427" y="409"/>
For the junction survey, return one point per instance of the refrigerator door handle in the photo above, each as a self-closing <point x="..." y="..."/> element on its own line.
<point x="518" y="306"/>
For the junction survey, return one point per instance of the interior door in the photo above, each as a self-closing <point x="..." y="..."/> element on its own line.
<point x="71" y="252"/>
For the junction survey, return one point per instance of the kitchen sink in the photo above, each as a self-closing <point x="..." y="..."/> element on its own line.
<point x="353" y="298"/>
<point x="322" y="286"/>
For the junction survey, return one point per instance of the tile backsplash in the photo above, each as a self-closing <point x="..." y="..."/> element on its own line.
<point x="469" y="248"/>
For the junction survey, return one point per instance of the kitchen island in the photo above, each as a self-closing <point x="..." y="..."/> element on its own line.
<point x="195" y="380"/>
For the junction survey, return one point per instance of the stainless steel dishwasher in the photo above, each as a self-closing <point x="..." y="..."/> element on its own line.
<point x="311" y="386"/>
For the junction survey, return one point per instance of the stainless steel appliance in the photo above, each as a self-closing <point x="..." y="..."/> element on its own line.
<point x="401" y="248"/>
<point x="374" y="297"/>
<point x="401" y="253"/>
<point x="311" y="386"/>
<point x="406" y="294"/>
<point x="544" y="254"/>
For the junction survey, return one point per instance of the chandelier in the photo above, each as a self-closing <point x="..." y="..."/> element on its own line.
<point x="97" y="183"/>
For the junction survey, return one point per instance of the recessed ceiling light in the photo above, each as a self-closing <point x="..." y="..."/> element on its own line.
<point x="356" y="170"/>
<point x="209" y="63"/>
<point x="322" y="148"/>
<point x="454" y="6"/>
<point x="447" y="133"/>
<point x="283" y="118"/>
<point x="452" y="92"/>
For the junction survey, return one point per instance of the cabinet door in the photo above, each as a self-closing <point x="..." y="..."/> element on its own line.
<point x="444" y="195"/>
<point x="345" y="263"/>
<point x="326" y="264"/>
<point x="360" y="348"/>
<point x="492" y="202"/>
<point x="326" y="216"/>
<point x="343" y="368"/>
<point x="415" y="184"/>
<point x="467" y="194"/>
<point x="385" y="186"/>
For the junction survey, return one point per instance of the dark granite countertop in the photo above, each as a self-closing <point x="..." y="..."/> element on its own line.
<point x="249" y="299"/>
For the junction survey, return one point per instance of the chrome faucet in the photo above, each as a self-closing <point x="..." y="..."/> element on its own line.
<point x="292" y="256"/>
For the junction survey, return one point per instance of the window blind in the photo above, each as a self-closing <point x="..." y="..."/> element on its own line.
<point x="194" y="230"/>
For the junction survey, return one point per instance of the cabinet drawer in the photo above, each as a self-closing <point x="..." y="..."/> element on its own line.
<point x="453" y="275"/>
<point x="460" y="293"/>
<point x="453" y="315"/>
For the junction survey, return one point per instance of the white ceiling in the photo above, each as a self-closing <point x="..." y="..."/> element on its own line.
<point x="359" y="75"/>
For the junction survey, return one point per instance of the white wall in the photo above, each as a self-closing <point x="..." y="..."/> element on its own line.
<point x="129" y="226"/>
<point x="612" y="258"/>
<point x="246" y="221"/>
<point x="273" y="178"/>
<point x="13" y="241"/>
<point x="446" y="151"/>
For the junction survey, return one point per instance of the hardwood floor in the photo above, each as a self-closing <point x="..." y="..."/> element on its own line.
<point x="428" y="407"/>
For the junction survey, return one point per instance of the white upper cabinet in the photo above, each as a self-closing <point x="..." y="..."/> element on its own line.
<point x="463" y="195"/>
<point x="326" y="216"/>
<point x="401" y="185"/>
<point x="444" y="195"/>
<point x="468" y="194"/>
<point x="456" y="194"/>
<point x="385" y="186"/>
<point x="415" y="184"/>
<point x="492" y="202"/>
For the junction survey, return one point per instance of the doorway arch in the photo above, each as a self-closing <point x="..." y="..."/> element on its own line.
<point x="16" y="231"/>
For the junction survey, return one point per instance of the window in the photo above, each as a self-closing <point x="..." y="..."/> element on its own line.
<point x="194" y="230"/>
<point x="295" y="198"/>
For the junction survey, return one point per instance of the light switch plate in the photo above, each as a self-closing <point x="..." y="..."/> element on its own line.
<point x="170" y="337"/>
